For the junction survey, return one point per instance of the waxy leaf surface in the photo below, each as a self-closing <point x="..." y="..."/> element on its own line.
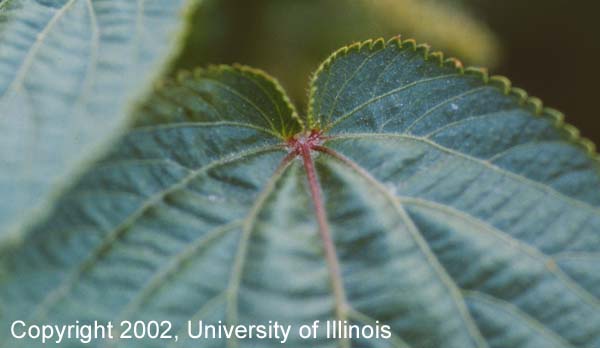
<point x="69" y="71"/>
<point x="460" y="213"/>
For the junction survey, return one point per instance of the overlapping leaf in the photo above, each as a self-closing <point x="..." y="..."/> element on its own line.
<point x="69" y="70"/>
<point x="463" y="214"/>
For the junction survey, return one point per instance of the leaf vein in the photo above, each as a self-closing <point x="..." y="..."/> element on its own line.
<point x="245" y="99"/>
<point x="530" y="250"/>
<point x="504" y="152"/>
<point x="177" y="260"/>
<point x="512" y="310"/>
<point x="432" y="260"/>
<point x="520" y="178"/>
<point x="428" y="112"/>
<point x="69" y="281"/>
<point x="32" y="52"/>
<point x="491" y="114"/>
<point x="204" y="309"/>
<point x="200" y="125"/>
<point x="248" y="224"/>
<point x="347" y="82"/>
<point x="387" y="94"/>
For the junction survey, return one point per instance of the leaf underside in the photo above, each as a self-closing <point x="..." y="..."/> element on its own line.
<point x="462" y="213"/>
<point x="69" y="70"/>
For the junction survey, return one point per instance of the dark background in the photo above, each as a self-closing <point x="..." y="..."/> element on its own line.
<point x="550" y="48"/>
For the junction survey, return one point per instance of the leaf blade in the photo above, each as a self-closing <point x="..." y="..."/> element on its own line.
<point x="452" y="234"/>
<point x="470" y="117"/>
<point x="69" y="72"/>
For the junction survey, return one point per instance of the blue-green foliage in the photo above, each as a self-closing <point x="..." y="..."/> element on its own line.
<point x="463" y="214"/>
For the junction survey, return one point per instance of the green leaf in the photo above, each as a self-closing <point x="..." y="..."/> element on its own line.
<point x="419" y="194"/>
<point x="69" y="70"/>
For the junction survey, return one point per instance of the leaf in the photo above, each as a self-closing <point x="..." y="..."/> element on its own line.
<point x="69" y="70"/>
<point x="419" y="194"/>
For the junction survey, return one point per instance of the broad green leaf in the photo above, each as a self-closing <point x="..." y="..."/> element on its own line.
<point x="69" y="70"/>
<point x="428" y="197"/>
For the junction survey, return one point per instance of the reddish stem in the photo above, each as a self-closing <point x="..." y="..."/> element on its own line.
<point x="303" y="147"/>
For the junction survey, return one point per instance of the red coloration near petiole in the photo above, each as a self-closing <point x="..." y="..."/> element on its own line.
<point x="302" y="145"/>
<point x="303" y="142"/>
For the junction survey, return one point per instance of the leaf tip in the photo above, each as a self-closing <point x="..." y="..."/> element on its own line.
<point x="557" y="116"/>
<point x="423" y="49"/>
<point x="377" y="44"/>
<point x="438" y="57"/>
<point x="481" y="73"/>
<point x="502" y="82"/>
<point x="411" y="43"/>
<point x="454" y="63"/>
<point x="519" y="93"/>
<point x="535" y="105"/>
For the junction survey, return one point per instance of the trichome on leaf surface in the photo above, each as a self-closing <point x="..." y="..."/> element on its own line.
<point x="415" y="192"/>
